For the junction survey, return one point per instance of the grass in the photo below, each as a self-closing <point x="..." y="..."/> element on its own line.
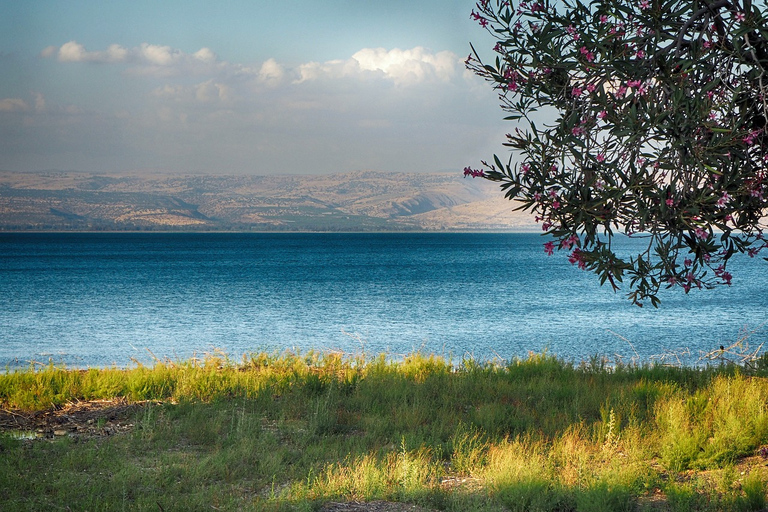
<point x="292" y="432"/>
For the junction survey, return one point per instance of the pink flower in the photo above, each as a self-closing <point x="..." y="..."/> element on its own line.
<point x="600" y="157"/>
<point x="740" y="16"/>
<point x="549" y="248"/>
<point x="702" y="234"/>
<point x="475" y="16"/>
<point x="603" y="19"/>
<point x="569" y="242"/>
<point x="602" y="115"/>
<point x="577" y="91"/>
<point x="634" y="83"/>
<point x="555" y="204"/>
<point x="475" y="173"/>
<point x="724" y="199"/>
<point x="587" y="54"/>
<point x="525" y="168"/>
<point x="645" y="4"/>
<point x="670" y="202"/>
<point x="577" y="257"/>
<point x="722" y="274"/>
<point x="750" y="139"/>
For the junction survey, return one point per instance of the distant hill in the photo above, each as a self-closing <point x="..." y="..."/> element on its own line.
<point x="353" y="201"/>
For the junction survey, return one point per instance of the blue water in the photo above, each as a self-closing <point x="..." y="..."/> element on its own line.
<point x="110" y="299"/>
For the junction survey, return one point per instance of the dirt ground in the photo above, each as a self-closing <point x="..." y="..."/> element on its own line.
<point x="373" y="506"/>
<point x="81" y="419"/>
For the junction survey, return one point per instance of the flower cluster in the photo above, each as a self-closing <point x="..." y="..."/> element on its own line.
<point x="660" y="130"/>
<point x="475" y="173"/>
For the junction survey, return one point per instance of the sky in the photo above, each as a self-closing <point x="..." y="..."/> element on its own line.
<point x="247" y="87"/>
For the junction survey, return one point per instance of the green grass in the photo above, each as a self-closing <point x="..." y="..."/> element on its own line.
<point x="291" y="432"/>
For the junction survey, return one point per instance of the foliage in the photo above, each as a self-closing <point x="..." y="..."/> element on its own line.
<point x="647" y="118"/>
<point x="293" y="432"/>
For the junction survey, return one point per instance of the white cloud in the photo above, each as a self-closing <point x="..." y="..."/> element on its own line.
<point x="401" y="67"/>
<point x="146" y="58"/>
<point x="116" y="53"/>
<point x="409" y="66"/>
<point x="73" y="51"/>
<point x="159" y="55"/>
<point x="271" y="73"/>
<point x="205" y="55"/>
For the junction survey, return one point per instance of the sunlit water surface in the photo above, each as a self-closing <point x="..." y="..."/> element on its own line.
<point x="111" y="299"/>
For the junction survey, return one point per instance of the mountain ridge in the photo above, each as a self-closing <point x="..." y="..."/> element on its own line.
<point x="351" y="201"/>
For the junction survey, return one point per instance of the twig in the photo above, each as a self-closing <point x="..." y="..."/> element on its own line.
<point x="629" y="342"/>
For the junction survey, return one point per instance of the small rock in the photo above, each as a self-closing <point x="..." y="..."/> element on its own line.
<point x="59" y="432"/>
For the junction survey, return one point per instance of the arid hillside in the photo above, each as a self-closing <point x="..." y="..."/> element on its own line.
<point x="354" y="201"/>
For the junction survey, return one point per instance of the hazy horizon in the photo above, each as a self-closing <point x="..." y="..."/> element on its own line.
<point x="243" y="87"/>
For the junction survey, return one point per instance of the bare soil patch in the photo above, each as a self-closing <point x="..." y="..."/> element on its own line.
<point x="372" y="506"/>
<point x="95" y="418"/>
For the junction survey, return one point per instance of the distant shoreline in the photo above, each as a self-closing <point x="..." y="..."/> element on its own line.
<point x="360" y="201"/>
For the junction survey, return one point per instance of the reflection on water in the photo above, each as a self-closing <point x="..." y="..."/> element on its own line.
<point x="103" y="299"/>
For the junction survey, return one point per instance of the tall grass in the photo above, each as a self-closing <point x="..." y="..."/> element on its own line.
<point x="291" y="431"/>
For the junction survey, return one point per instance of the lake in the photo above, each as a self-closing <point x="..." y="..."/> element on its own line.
<point x="102" y="299"/>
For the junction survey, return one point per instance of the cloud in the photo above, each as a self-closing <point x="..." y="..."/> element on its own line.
<point x="146" y="58"/>
<point x="213" y="91"/>
<point x="271" y="73"/>
<point x="409" y="66"/>
<point x="401" y="67"/>
<point x="387" y="109"/>
<point x="13" y="105"/>
<point x="205" y="55"/>
<point x="39" y="101"/>
<point x="157" y="55"/>
<point x="73" y="51"/>
<point x="210" y="91"/>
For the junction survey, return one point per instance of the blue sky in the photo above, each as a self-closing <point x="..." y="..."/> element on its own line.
<point x="252" y="87"/>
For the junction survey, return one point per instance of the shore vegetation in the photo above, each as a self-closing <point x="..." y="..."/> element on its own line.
<point x="314" y="431"/>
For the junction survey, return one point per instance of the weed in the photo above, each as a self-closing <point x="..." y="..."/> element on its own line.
<point x="291" y="431"/>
